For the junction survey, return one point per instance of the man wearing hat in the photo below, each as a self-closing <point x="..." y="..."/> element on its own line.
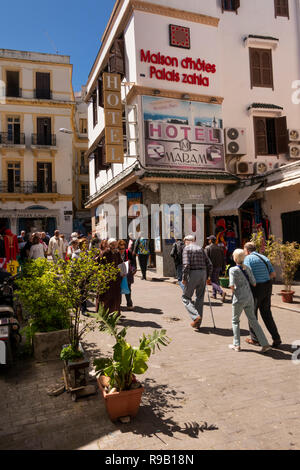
<point x="216" y="255"/>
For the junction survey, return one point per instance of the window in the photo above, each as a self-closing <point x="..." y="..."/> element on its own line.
<point x="99" y="154"/>
<point x="44" y="136"/>
<point x="84" y="194"/>
<point x="84" y="168"/>
<point x="83" y="126"/>
<point x="261" y="68"/>
<point x="43" y="86"/>
<point x="230" y="5"/>
<point x="271" y="136"/>
<point x="44" y="177"/>
<point x="13" y="84"/>
<point x="13" y="177"/>
<point x="95" y="108"/>
<point x="13" y="130"/>
<point x="282" y="8"/>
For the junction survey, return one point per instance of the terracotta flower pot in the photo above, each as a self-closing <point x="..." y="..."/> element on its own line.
<point x="287" y="296"/>
<point x="120" y="404"/>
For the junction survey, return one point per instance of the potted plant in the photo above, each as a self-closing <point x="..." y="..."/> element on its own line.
<point x="47" y="312"/>
<point x="78" y="278"/>
<point x="117" y="374"/>
<point x="224" y="280"/>
<point x="287" y="257"/>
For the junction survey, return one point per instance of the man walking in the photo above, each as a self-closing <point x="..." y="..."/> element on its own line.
<point x="217" y="257"/>
<point x="176" y="254"/>
<point x="264" y="273"/>
<point x="197" y="267"/>
<point x="55" y="247"/>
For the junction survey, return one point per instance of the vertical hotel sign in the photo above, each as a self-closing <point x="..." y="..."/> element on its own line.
<point x="113" y="118"/>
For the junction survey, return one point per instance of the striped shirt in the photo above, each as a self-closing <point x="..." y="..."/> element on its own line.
<point x="259" y="269"/>
<point x="194" y="258"/>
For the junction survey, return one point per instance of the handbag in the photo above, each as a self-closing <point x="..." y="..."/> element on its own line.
<point x="124" y="286"/>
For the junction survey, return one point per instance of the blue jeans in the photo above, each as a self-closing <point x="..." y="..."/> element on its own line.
<point x="237" y="310"/>
<point x="179" y="270"/>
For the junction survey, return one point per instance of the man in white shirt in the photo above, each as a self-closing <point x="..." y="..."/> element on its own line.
<point x="56" y="246"/>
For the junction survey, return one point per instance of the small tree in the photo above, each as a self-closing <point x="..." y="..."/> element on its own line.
<point x="286" y="256"/>
<point x="78" y="278"/>
<point x="37" y="291"/>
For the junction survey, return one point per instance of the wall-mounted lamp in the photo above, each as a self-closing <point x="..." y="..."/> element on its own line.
<point x="156" y="92"/>
<point x="213" y="100"/>
<point x="185" y="97"/>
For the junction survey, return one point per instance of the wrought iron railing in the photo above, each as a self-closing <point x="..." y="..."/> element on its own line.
<point x="41" y="139"/>
<point x="43" y="94"/>
<point x="13" y="92"/>
<point x="27" y="187"/>
<point x="6" y="138"/>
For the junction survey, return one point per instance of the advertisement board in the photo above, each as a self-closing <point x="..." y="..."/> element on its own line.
<point x="183" y="135"/>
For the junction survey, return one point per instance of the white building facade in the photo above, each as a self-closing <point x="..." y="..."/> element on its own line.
<point x="207" y="101"/>
<point x="36" y="158"/>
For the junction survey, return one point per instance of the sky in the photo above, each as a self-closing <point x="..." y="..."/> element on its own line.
<point x="73" y="27"/>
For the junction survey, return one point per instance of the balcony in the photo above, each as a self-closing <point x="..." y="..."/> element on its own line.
<point x="13" y="92"/>
<point x="28" y="187"/>
<point x="41" y="140"/>
<point x="12" y="140"/>
<point x="43" y="94"/>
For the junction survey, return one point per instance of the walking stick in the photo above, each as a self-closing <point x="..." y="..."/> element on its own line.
<point x="211" y="311"/>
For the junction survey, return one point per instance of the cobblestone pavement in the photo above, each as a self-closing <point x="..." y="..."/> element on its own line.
<point x="198" y="393"/>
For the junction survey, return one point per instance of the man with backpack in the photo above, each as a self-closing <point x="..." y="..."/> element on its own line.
<point x="176" y="254"/>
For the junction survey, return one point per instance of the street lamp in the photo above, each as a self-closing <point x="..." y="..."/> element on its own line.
<point x="65" y="131"/>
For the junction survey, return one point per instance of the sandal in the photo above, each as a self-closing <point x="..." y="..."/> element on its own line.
<point x="251" y="341"/>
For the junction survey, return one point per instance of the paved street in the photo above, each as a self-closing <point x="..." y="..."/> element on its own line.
<point x="198" y="393"/>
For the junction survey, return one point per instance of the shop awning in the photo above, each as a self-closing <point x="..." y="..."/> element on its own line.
<point x="283" y="184"/>
<point x="231" y="204"/>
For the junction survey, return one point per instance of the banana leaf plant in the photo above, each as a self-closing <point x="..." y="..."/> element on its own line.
<point x="126" y="360"/>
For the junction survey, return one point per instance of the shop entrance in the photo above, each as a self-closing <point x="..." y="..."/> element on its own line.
<point x="47" y="224"/>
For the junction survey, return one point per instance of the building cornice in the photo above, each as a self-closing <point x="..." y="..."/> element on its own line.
<point x="137" y="90"/>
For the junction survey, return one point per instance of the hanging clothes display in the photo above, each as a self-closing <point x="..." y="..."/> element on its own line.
<point x="11" y="245"/>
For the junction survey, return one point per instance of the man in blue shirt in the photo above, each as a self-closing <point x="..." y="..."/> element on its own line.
<point x="264" y="273"/>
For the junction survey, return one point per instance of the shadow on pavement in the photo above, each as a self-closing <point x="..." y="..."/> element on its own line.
<point x="154" y="311"/>
<point x="152" y="420"/>
<point x="138" y="324"/>
<point x="220" y="331"/>
<point x="275" y="354"/>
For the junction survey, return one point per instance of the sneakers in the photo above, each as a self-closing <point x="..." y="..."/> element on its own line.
<point x="235" y="348"/>
<point x="196" y="323"/>
<point x="264" y="349"/>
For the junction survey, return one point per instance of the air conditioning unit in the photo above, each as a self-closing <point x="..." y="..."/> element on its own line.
<point x="245" y="168"/>
<point x="294" y="151"/>
<point x="235" y="141"/>
<point x="294" y="135"/>
<point x="264" y="167"/>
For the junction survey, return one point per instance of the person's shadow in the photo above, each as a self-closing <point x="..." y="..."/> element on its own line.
<point x="220" y="331"/>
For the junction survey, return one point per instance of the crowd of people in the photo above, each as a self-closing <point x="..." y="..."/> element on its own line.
<point x="250" y="277"/>
<point x="250" y="281"/>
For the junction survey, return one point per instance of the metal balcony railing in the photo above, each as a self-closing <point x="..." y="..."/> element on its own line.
<point x="27" y="187"/>
<point x="7" y="138"/>
<point x="41" y="139"/>
<point x="13" y="92"/>
<point x="43" y="94"/>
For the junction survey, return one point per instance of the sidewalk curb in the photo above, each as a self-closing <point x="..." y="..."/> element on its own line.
<point x="174" y="282"/>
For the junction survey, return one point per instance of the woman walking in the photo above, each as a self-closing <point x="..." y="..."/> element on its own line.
<point x="241" y="279"/>
<point x="141" y="248"/>
<point x="126" y="255"/>
<point x="37" y="249"/>
<point x="111" y="299"/>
